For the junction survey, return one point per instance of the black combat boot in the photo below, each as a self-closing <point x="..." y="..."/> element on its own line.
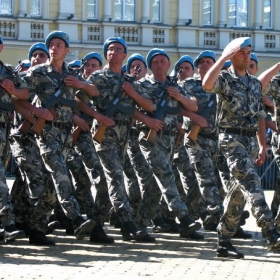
<point x="160" y="225"/>
<point x="195" y="236"/>
<point x="175" y="227"/>
<point x="98" y="235"/>
<point x="226" y="250"/>
<point x="23" y="226"/>
<point x="82" y="227"/>
<point x="273" y="240"/>
<point x="11" y="233"/>
<point x="130" y="232"/>
<point x="38" y="238"/>
<point x="188" y="226"/>
<point x="240" y="233"/>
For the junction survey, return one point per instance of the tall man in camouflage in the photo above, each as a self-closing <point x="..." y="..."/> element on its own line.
<point x="55" y="138"/>
<point x="240" y="117"/>
<point x="110" y="82"/>
<point x="159" y="154"/>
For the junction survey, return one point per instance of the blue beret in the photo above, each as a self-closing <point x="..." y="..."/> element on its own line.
<point x="135" y="56"/>
<point x="37" y="46"/>
<point x="25" y="63"/>
<point x="111" y="40"/>
<point x="254" y="57"/>
<point x="241" y="41"/>
<point x="154" y="52"/>
<point x="75" y="63"/>
<point x="1" y="40"/>
<point x="203" y="54"/>
<point x="184" y="58"/>
<point x="94" y="55"/>
<point x="227" y="64"/>
<point x="57" y="34"/>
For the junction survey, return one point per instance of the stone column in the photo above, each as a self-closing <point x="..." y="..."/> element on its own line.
<point x="22" y="8"/>
<point x="107" y="10"/>
<point x="258" y="14"/>
<point x="222" y="13"/>
<point x="145" y="11"/>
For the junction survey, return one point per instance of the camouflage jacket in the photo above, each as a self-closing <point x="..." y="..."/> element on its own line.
<point x="44" y="80"/>
<point x="238" y="106"/>
<point x="154" y="89"/>
<point x="109" y="85"/>
<point x="193" y="86"/>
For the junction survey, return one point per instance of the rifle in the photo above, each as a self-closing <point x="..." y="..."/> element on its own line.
<point x="51" y="102"/>
<point x="115" y="105"/>
<point x="192" y="135"/>
<point x="162" y="108"/>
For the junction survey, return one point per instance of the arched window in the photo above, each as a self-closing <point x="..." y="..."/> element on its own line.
<point x="35" y="8"/>
<point x="157" y="10"/>
<point x="91" y="9"/>
<point x="267" y="21"/>
<point x="207" y="12"/>
<point x="124" y="10"/>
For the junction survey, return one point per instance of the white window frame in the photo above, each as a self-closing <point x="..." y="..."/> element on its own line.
<point x="123" y="11"/>
<point x="211" y="13"/>
<point x="237" y="14"/>
<point x="160" y="11"/>
<point x="12" y="9"/>
<point x="95" y="12"/>
<point x="40" y="12"/>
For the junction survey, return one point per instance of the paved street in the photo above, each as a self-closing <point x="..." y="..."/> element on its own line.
<point x="170" y="258"/>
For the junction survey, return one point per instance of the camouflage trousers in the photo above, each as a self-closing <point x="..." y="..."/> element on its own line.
<point x="275" y="204"/>
<point x="241" y="153"/>
<point x="40" y="196"/>
<point x="203" y="157"/>
<point x="111" y="154"/>
<point x="86" y="150"/>
<point x="6" y="209"/>
<point x="148" y="191"/>
<point x="54" y="144"/>
<point x="159" y="157"/>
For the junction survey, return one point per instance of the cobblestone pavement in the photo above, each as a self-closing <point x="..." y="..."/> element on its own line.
<point x="169" y="258"/>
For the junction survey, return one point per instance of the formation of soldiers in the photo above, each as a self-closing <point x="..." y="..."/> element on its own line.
<point x="94" y="143"/>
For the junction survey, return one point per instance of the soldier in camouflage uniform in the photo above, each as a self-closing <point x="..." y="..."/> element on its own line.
<point x="9" y="87"/>
<point x="110" y="82"/>
<point x="240" y="117"/>
<point x="203" y="151"/>
<point x="55" y="139"/>
<point x="149" y="193"/>
<point x="35" y="210"/>
<point x="159" y="153"/>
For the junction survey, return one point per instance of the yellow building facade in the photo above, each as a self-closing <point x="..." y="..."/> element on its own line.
<point x="179" y="26"/>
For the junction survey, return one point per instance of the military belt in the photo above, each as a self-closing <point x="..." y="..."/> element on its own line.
<point x="58" y="124"/>
<point x="239" y="131"/>
<point x="208" y="136"/>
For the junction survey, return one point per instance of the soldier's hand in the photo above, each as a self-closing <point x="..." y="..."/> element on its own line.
<point x="129" y="89"/>
<point x="197" y="119"/>
<point x="174" y="93"/>
<point x="261" y="157"/>
<point x="81" y="123"/>
<point x="155" y="124"/>
<point x="9" y="86"/>
<point x="43" y="113"/>
<point x="72" y="81"/>
<point x="103" y="119"/>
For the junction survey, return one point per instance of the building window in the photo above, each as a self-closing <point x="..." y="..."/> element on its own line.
<point x="36" y="8"/>
<point x="124" y="10"/>
<point x="5" y="7"/>
<point x="157" y="6"/>
<point x="91" y="9"/>
<point x="207" y="12"/>
<point x="238" y="13"/>
<point x="267" y="22"/>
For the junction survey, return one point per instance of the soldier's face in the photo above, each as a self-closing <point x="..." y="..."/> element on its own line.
<point x="138" y="64"/>
<point x="241" y="60"/>
<point x="253" y="67"/>
<point x="58" y="49"/>
<point x="187" y="70"/>
<point x="116" y="53"/>
<point x="160" y="65"/>
<point x="38" y="57"/>
<point x="204" y="64"/>
<point x="90" y="66"/>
